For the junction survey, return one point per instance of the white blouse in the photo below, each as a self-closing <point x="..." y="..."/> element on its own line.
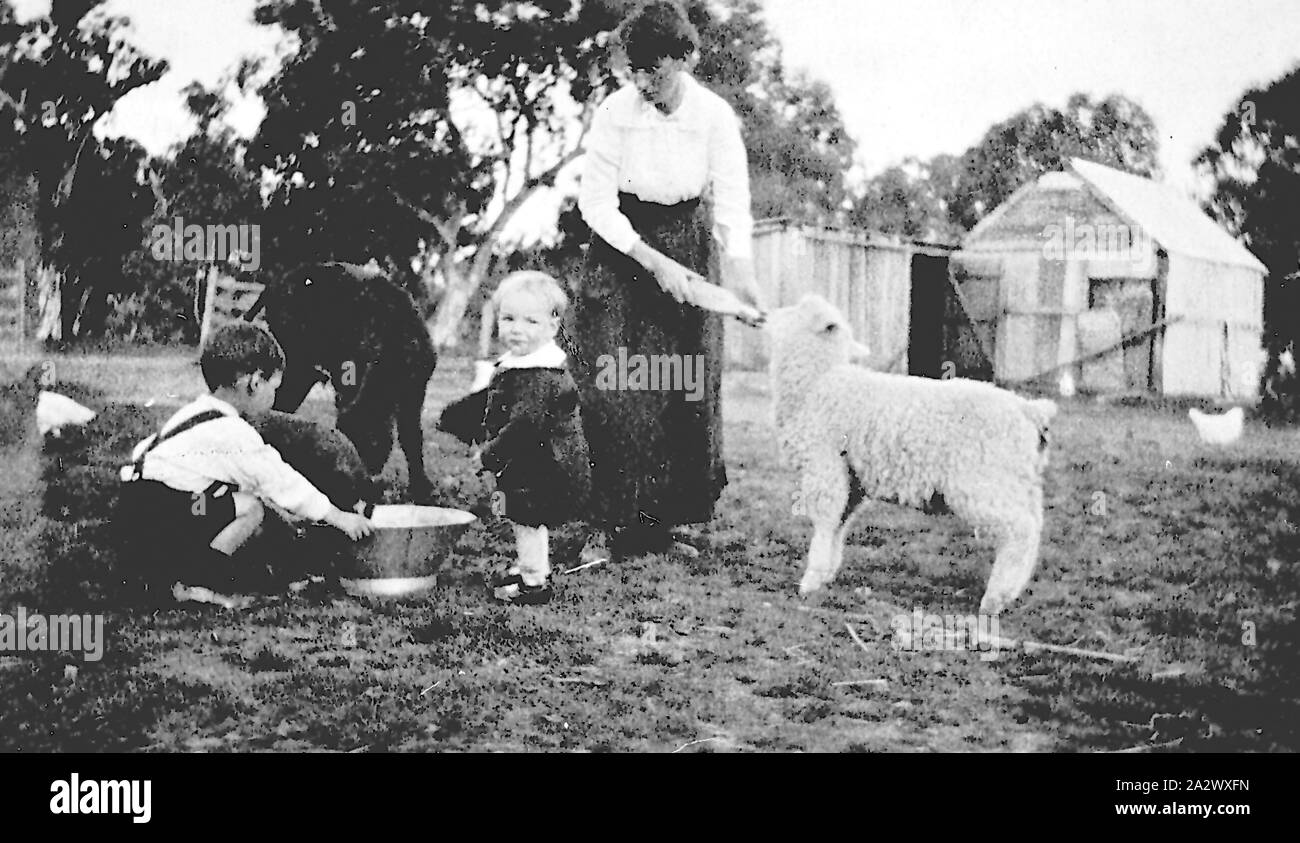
<point x="633" y="147"/>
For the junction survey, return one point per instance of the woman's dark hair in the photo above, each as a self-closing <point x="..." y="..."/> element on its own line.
<point x="655" y="31"/>
<point x="239" y="349"/>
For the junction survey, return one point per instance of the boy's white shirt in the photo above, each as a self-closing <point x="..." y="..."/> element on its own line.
<point x="549" y="356"/>
<point x="228" y="450"/>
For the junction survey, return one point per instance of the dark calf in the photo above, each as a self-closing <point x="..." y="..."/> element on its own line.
<point x="361" y="331"/>
<point x="321" y="454"/>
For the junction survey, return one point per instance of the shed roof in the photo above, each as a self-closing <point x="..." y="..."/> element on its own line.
<point x="1172" y="219"/>
<point x="1021" y="218"/>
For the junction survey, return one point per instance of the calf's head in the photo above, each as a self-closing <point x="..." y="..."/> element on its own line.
<point x="299" y="309"/>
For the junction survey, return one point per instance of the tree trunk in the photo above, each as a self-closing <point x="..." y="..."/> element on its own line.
<point x="49" y="305"/>
<point x="94" y="314"/>
<point x="462" y="283"/>
<point x="445" y="330"/>
<point x="205" y="301"/>
<point x="70" y="294"/>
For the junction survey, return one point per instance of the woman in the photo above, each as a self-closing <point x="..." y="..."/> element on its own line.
<point x="665" y="176"/>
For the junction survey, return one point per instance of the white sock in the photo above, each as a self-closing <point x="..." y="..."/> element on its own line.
<point x="532" y="547"/>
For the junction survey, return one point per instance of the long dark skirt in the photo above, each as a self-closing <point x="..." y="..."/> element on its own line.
<point x="656" y="453"/>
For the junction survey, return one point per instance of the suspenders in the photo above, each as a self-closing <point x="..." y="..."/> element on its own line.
<point x="137" y="467"/>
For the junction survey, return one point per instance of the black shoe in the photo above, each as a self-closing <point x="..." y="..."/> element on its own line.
<point x="504" y="580"/>
<point x="522" y="594"/>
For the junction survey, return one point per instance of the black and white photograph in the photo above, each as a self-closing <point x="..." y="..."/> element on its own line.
<point x="651" y="377"/>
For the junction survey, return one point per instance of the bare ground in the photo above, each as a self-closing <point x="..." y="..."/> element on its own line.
<point x="1182" y="557"/>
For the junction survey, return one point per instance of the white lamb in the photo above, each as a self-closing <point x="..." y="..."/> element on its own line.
<point x="855" y="435"/>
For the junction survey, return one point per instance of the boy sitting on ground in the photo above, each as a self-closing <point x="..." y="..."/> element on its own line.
<point x="195" y="490"/>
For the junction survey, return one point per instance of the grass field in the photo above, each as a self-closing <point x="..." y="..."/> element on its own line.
<point x="1156" y="547"/>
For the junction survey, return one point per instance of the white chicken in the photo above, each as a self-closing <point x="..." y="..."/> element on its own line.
<point x="1286" y="362"/>
<point x="55" y="411"/>
<point x="1220" y="429"/>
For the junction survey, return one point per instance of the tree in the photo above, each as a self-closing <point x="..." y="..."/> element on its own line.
<point x="540" y="69"/>
<point x="372" y="137"/>
<point x="413" y="136"/>
<point x="1116" y="132"/>
<point x="202" y="181"/>
<point x="799" y="151"/>
<point x="912" y="199"/>
<point x="1255" y="166"/>
<point x="1254" y="163"/>
<point x="58" y="78"/>
<point x="95" y="229"/>
<point x="944" y="197"/>
<point x="361" y="108"/>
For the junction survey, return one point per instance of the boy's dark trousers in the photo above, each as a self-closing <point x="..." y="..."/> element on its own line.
<point x="167" y="535"/>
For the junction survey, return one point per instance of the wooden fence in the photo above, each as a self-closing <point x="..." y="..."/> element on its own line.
<point x="227" y="300"/>
<point x="13" y="308"/>
<point x="867" y="277"/>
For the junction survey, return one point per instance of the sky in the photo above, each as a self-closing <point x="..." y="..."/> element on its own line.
<point x="929" y="76"/>
<point x="911" y="77"/>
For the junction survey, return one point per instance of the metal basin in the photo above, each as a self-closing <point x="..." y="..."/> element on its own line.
<point x="408" y="546"/>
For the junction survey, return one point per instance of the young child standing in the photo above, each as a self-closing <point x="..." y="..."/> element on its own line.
<point x="527" y="422"/>
<point x="195" y="490"/>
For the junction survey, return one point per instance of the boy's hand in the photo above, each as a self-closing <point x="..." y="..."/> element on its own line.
<point x="476" y="460"/>
<point x="354" y="525"/>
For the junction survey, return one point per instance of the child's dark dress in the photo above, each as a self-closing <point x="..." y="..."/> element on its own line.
<point x="527" y="420"/>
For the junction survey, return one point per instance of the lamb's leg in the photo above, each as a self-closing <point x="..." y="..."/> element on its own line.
<point x="852" y="506"/>
<point x="1012" y="513"/>
<point x="824" y="497"/>
<point x="1017" y="557"/>
<point x="821" y="557"/>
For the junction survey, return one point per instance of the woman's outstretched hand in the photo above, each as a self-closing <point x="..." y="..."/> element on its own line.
<point x="674" y="278"/>
<point x="738" y="277"/>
